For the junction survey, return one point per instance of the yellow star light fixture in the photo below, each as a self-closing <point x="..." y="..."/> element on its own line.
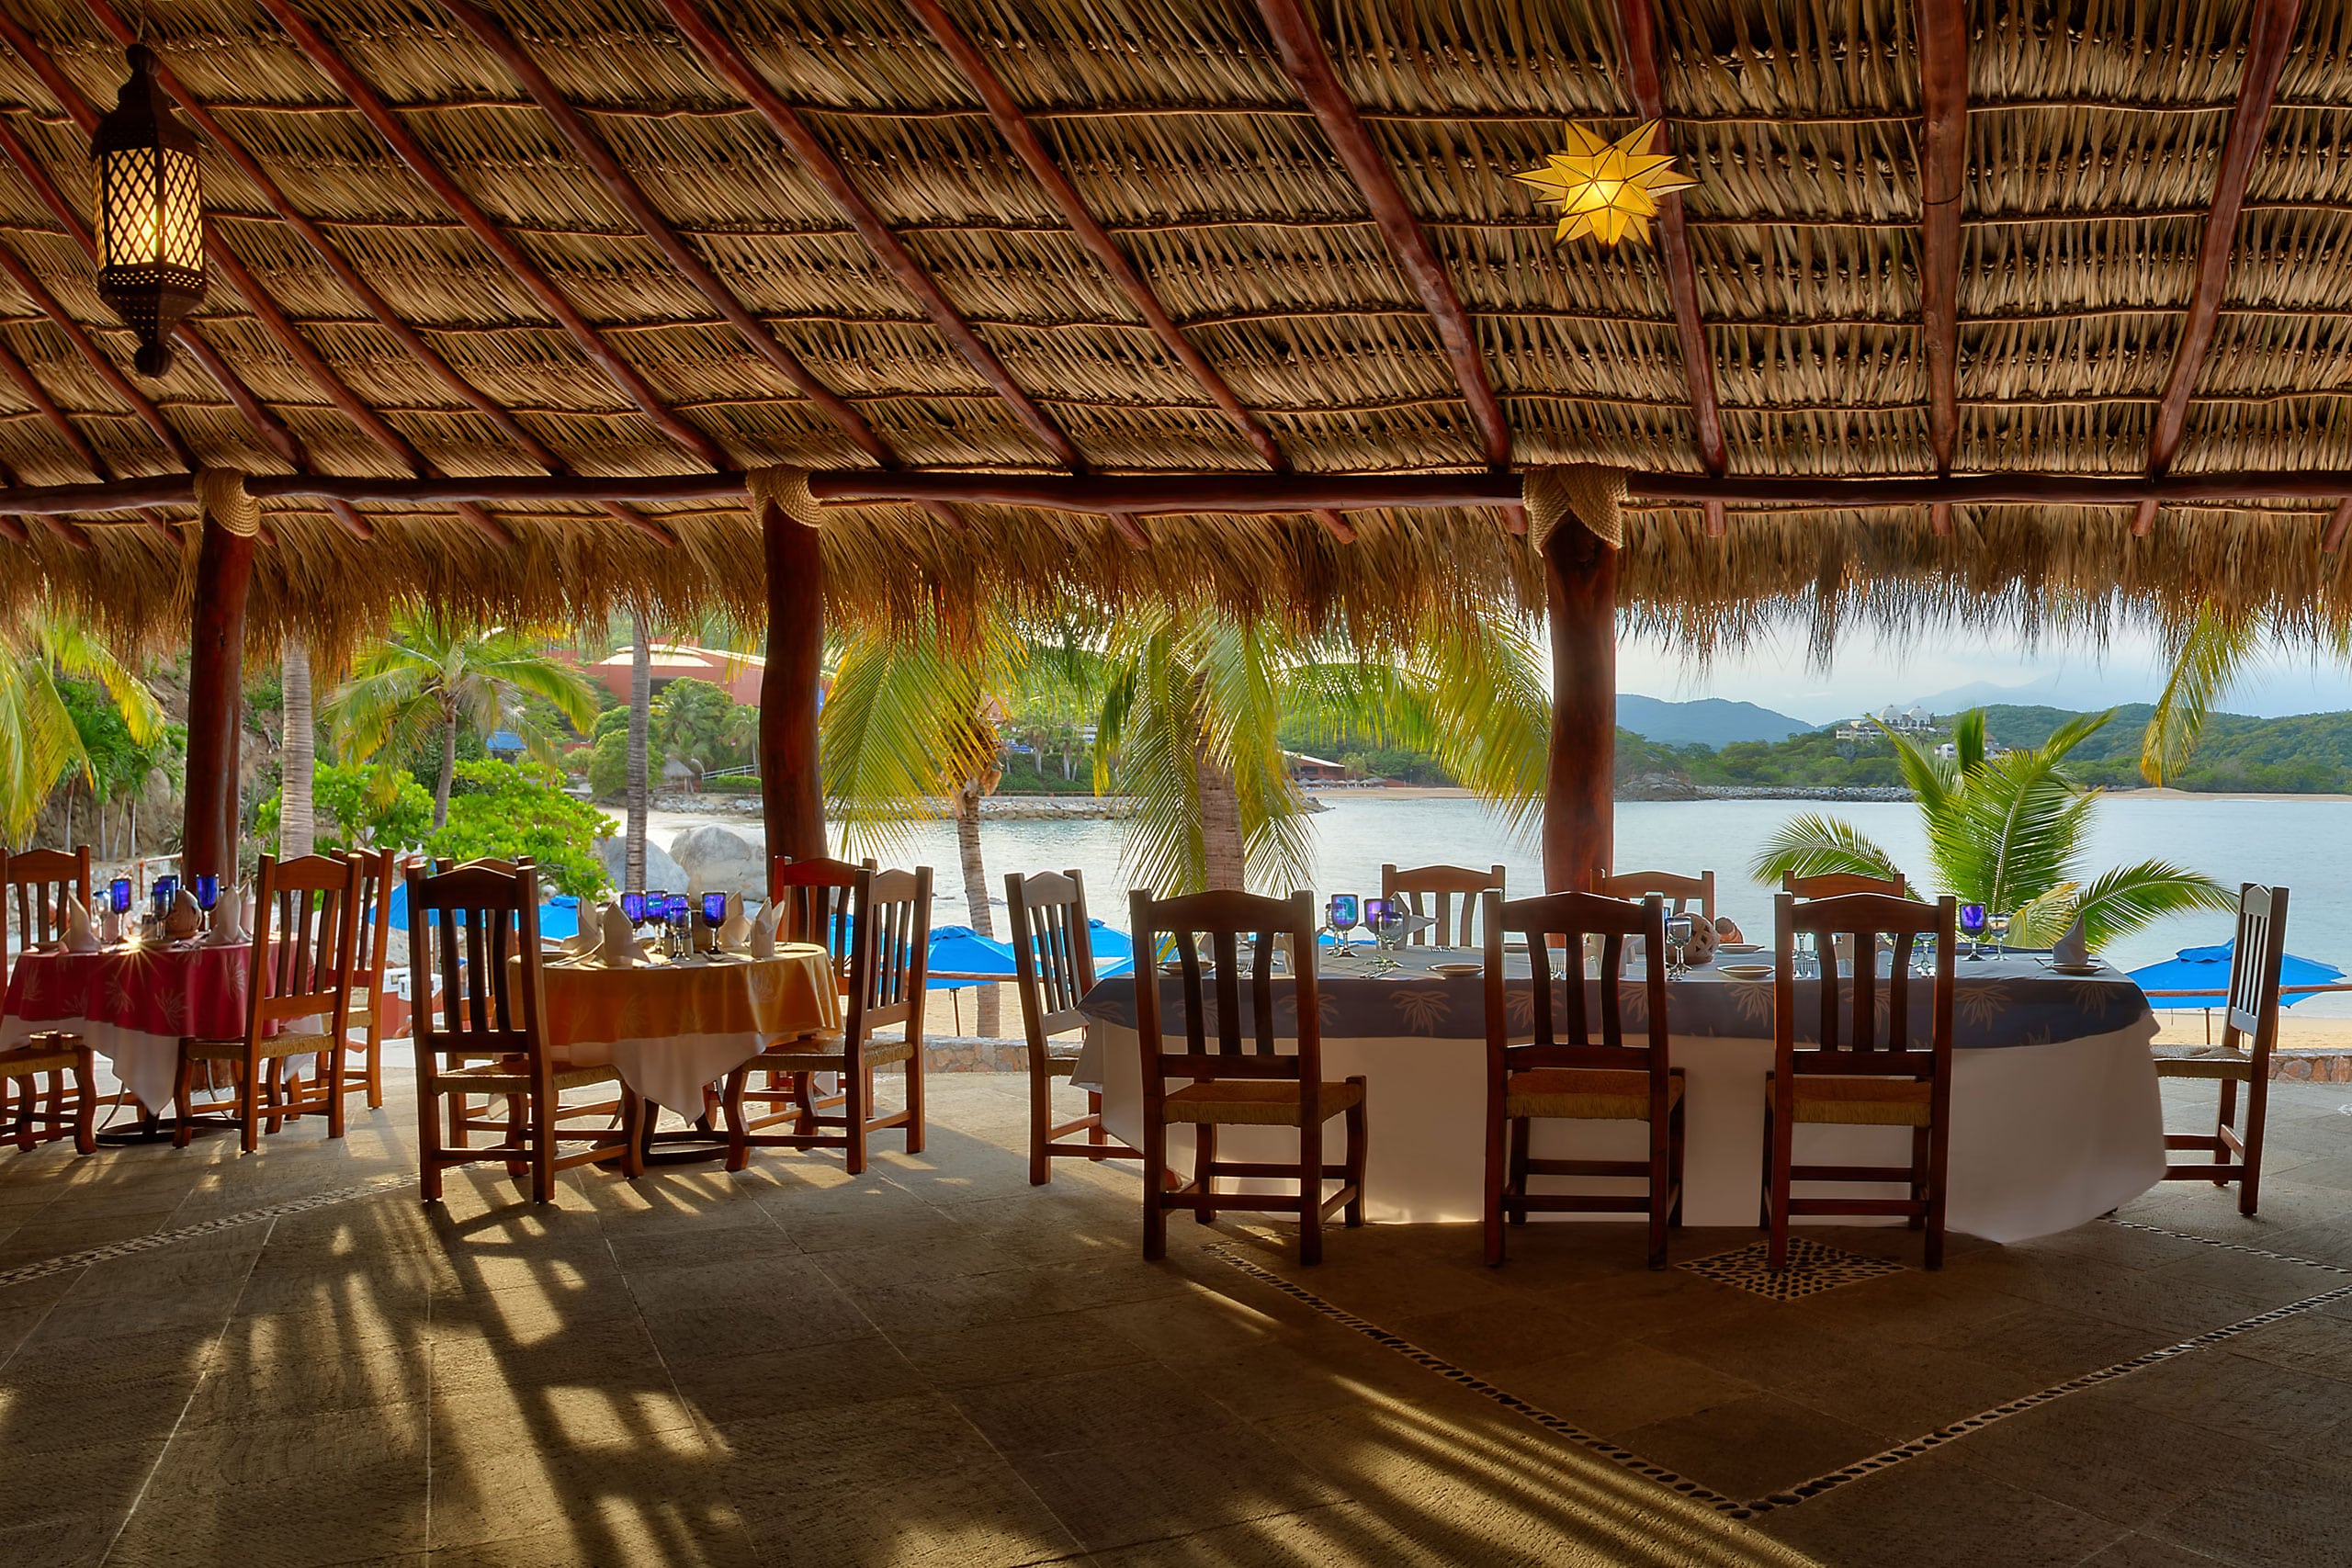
<point x="1607" y="189"/>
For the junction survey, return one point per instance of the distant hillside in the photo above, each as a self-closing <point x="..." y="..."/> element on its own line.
<point x="2307" y="753"/>
<point x="1711" y="721"/>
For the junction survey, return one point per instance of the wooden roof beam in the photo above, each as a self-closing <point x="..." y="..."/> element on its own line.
<point x="62" y="87"/>
<point x="421" y="163"/>
<point x="1637" y="27"/>
<point x="1942" y="29"/>
<point x="2339" y="522"/>
<point x="730" y="62"/>
<point x="23" y="276"/>
<point x="54" y="417"/>
<point x="2272" y="30"/>
<point x="1309" y="69"/>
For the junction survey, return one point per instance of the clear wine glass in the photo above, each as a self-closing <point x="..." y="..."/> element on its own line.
<point x="1679" y="932"/>
<point x="1998" y="925"/>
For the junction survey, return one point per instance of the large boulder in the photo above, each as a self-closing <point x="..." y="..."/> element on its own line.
<point x="660" y="871"/>
<point x="720" y="860"/>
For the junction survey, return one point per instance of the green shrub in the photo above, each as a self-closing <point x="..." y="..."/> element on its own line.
<point x="734" y="783"/>
<point x="609" y="765"/>
<point x="512" y="809"/>
<point x="360" y="808"/>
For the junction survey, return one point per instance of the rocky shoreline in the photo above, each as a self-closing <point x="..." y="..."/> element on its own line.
<point x="995" y="809"/>
<point x="1673" y="786"/>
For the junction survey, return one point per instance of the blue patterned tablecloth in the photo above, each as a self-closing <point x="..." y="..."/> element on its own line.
<point x="2010" y="1000"/>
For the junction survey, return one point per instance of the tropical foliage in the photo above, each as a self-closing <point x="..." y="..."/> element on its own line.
<point x="355" y="807"/>
<point x="701" y="725"/>
<point x="2007" y="831"/>
<point x="430" y="679"/>
<point x="2208" y="655"/>
<point x="40" y="742"/>
<point x="511" y="809"/>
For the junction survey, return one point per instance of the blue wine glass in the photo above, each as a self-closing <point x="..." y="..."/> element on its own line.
<point x="118" y="895"/>
<point x="1344" y="913"/>
<point x="206" y="888"/>
<point x="678" y="908"/>
<point x="633" y="906"/>
<point x="713" y="909"/>
<point x="1972" y="926"/>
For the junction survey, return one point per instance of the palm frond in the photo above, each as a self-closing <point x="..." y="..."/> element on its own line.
<point x="2211" y="654"/>
<point x="2117" y="903"/>
<point x="897" y="722"/>
<point x="1817" y="845"/>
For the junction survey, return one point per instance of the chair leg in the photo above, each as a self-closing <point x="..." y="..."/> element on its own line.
<point x="335" y="1122"/>
<point x="913" y="1071"/>
<point x="85" y="1103"/>
<point x="1310" y="1193"/>
<point x="1205" y="1173"/>
<point x="2257" y="1112"/>
<point x="428" y="1137"/>
<point x="17" y="1105"/>
<point x="633" y="1110"/>
<point x="1155" y="1189"/>
<point x="1783" y="1147"/>
<point x="857" y="1088"/>
<point x="542" y="1161"/>
<point x="1674" y="1174"/>
<point x="1919" y="1177"/>
<point x="1095" y="1133"/>
<point x="1522" y="1134"/>
<point x="738" y="1131"/>
<point x="1041" y="1122"/>
<point x="1661" y="1186"/>
<point x="375" y="1059"/>
<point x="2226" y="1122"/>
<point x="1358" y="1125"/>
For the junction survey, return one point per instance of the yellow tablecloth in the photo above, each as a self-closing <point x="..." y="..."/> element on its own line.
<point x="673" y="1027"/>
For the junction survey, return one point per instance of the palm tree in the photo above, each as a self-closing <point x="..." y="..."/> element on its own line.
<point x="39" y="742"/>
<point x="430" y="679"/>
<point x="2007" y="832"/>
<point x="298" y="741"/>
<point x="2208" y="655"/>
<point x="640" y="787"/>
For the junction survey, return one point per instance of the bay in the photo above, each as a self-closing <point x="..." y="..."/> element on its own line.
<point x="2303" y="844"/>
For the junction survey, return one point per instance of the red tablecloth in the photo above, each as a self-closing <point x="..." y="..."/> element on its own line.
<point x="133" y="1005"/>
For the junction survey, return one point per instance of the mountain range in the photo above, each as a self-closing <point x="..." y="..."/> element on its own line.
<point x="1710" y="721"/>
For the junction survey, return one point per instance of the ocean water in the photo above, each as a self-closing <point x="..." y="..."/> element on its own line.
<point x="2304" y="845"/>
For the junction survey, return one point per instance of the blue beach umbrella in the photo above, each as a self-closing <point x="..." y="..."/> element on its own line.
<point x="2205" y="973"/>
<point x="558" y="917"/>
<point x="961" y="951"/>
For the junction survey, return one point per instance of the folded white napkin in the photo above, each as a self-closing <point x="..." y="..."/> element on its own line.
<point x="2072" y="948"/>
<point x="111" y="926"/>
<point x="227" y="928"/>
<point x="185" y="920"/>
<point x="761" y="937"/>
<point x="620" y="949"/>
<point x="79" y="937"/>
<point x="736" y="929"/>
<point x="592" y="928"/>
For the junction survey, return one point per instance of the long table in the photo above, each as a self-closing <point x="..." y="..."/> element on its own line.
<point x="2055" y="1113"/>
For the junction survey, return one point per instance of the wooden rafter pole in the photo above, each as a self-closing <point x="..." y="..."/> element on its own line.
<point x="1022" y="136"/>
<point x="2272" y="30"/>
<point x="1942" y="27"/>
<point x="364" y="97"/>
<point x="623" y="187"/>
<point x="1309" y="68"/>
<point x="1637" y="27"/>
<point x="54" y="417"/>
<point x="21" y="273"/>
<point x="268" y="425"/>
<point x="730" y="62"/>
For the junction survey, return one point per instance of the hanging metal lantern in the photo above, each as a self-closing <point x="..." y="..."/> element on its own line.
<point x="151" y="213"/>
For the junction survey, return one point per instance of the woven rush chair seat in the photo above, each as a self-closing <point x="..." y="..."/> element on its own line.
<point x="517" y="1079"/>
<point x="1254" y="1102"/>
<point x="1061" y="1058"/>
<point x="1864" y="1102"/>
<point x="42" y="1054"/>
<point x="828" y="1052"/>
<point x="1585" y="1094"/>
<point x="273" y="1047"/>
<point x="2210" y="1062"/>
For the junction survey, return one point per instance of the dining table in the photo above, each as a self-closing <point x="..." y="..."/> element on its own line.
<point x="133" y="1003"/>
<point x="671" y="1026"/>
<point x="2055" y="1112"/>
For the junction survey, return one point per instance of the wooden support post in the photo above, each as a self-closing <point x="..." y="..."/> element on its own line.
<point x="1580" y="586"/>
<point x="792" y="792"/>
<point x="216" y="698"/>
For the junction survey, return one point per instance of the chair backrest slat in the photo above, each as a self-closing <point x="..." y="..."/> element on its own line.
<point x="378" y="871"/>
<point x="1052" y="953"/>
<point x="2252" y="1017"/>
<point x="1843" y="883"/>
<point x="306" y="921"/>
<point x="816" y="900"/>
<point x="34" y="884"/>
<point x="1432" y="890"/>
<point x="1555" y="926"/>
<point x="1681" y="892"/>
<point x="1229" y="920"/>
<point x="469" y="920"/>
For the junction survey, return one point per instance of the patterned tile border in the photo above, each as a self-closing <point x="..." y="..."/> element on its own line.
<point x="27" y="1273"/>
<point x="1813" y="1268"/>
<point x="1804" y="1492"/>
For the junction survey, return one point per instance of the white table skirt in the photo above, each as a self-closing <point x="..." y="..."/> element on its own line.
<point x="670" y="1071"/>
<point x="2044" y="1137"/>
<point x="146" y="1064"/>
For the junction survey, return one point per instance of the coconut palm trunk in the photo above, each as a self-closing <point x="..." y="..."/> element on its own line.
<point x="298" y="739"/>
<point x="449" y="778"/>
<point x="976" y="891"/>
<point x="640" y="789"/>
<point x="1224" y="851"/>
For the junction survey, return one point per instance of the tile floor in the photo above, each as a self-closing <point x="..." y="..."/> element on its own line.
<point x="286" y="1360"/>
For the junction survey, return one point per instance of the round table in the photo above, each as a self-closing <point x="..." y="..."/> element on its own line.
<point x="133" y="1005"/>
<point x="2055" y="1112"/>
<point x="672" y="1026"/>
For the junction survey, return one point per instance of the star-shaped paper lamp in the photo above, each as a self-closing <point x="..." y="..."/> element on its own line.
<point x="1607" y="189"/>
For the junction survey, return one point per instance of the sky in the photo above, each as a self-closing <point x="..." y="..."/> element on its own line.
<point x="1869" y="672"/>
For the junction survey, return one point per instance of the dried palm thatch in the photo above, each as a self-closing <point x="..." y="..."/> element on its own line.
<point x="2095" y="147"/>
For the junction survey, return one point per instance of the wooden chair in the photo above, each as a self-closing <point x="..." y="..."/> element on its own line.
<point x="298" y="994"/>
<point x="1679" y="892"/>
<point x="1864" y="1080"/>
<point x="477" y="929"/>
<point x="1844" y="884"/>
<point x="2249" y="1034"/>
<point x="885" y="918"/>
<point x="34" y="885"/>
<point x="1233" y="1085"/>
<point x="1561" y="1075"/>
<point x="1431" y="889"/>
<point x="1053" y="961"/>
<point x="362" y="1027"/>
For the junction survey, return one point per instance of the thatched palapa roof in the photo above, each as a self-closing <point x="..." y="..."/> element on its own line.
<point x="654" y="237"/>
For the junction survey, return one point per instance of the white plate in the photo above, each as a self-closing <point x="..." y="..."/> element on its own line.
<point x="1457" y="969"/>
<point x="2093" y="967"/>
<point x="1745" y="971"/>
<point x="1738" y="947"/>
